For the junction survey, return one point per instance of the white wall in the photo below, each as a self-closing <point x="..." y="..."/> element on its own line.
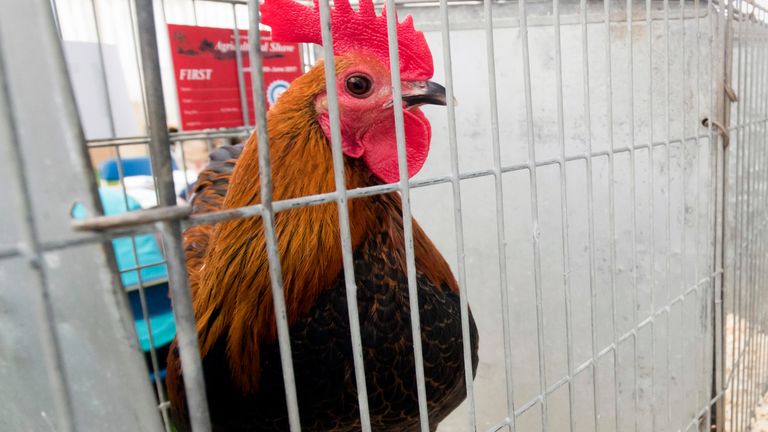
<point x="680" y="360"/>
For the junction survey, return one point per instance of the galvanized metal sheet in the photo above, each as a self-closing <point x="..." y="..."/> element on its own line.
<point x="99" y="360"/>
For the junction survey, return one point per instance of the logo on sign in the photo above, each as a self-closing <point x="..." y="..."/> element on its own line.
<point x="275" y="89"/>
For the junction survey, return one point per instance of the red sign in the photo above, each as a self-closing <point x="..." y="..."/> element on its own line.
<point x="205" y="65"/>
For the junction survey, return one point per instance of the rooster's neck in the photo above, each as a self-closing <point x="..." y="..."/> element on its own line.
<point x="233" y="297"/>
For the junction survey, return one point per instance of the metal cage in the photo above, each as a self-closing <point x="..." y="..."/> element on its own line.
<point x="607" y="179"/>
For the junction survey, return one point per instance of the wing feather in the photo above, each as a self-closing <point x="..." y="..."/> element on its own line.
<point x="208" y="196"/>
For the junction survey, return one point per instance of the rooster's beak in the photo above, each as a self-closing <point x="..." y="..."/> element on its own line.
<point x="417" y="93"/>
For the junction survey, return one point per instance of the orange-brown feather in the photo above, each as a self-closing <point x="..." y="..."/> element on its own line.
<point x="232" y="290"/>
<point x="229" y="271"/>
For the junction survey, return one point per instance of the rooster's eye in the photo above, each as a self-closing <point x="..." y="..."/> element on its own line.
<point x="359" y="85"/>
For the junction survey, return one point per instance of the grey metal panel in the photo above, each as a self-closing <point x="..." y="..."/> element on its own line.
<point x="21" y="362"/>
<point x="99" y="364"/>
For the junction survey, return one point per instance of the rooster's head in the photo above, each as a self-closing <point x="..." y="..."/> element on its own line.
<point x="363" y="80"/>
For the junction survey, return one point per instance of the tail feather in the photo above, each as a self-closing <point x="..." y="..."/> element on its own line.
<point x="208" y="196"/>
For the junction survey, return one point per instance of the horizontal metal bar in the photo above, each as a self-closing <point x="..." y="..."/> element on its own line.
<point x="748" y="124"/>
<point x="10" y="252"/>
<point x="506" y="422"/>
<point x="242" y="2"/>
<point x="93" y="237"/>
<point x="133" y="218"/>
<point x="142" y="266"/>
<point x="148" y="216"/>
<point x="174" y="137"/>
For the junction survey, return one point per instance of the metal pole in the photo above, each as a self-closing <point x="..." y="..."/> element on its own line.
<point x="534" y="197"/>
<point x="564" y="213"/>
<point x="591" y="245"/>
<point x="501" y="244"/>
<point x="651" y="212"/>
<point x="61" y="393"/>
<point x="268" y="218"/>
<point x="103" y="70"/>
<point x="723" y="198"/>
<point x="612" y="206"/>
<point x="160" y="150"/>
<point x="343" y="209"/>
<point x="240" y="74"/>
<point x="410" y="257"/>
<point x="457" y="216"/>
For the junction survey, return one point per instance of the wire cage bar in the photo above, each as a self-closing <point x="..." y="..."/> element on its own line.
<point x="622" y="177"/>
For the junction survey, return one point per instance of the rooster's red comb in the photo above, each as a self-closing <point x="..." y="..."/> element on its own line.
<point x="363" y="31"/>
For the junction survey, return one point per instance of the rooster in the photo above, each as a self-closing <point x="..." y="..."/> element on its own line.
<point x="228" y="265"/>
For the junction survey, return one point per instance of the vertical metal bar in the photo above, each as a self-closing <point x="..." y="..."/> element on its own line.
<point x="755" y="243"/>
<point x="709" y="340"/>
<point x="757" y="338"/>
<point x="633" y="192"/>
<point x="668" y="233"/>
<point x="651" y="212"/>
<point x="542" y="357"/>
<point x="764" y="211"/>
<point x="749" y="229"/>
<point x="748" y="151"/>
<point x="158" y="132"/>
<point x="137" y="57"/>
<point x="162" y="11"/>
<point x="397" y="97"/>
<point x="748" y="226"/>
<point x="61" y="393"/>
<point x="103" y="70"/>
<point x="161" y="167"/>
<point x="757" y="230"/>
<point x="194" y="10"/>
<point x="697" y="234"/>
<point x="738" y="231"/>
<point x="346" y="236"/>
<point x="184" y="165"/>
<point x="457" y="218"/>
<point x="722" y="197"/>
<point x="714" y="325"/>
<point x="268" y="217"/>
<point x="240" y="75"/>
<point x="683" y="211"/>
<point x="745" y="355"/>
<point x="754" y="232"/>
<point x="612" y="207"/>
<point x="564" y="213"/>
<point x="500" y="228"/>
<point x="699" y="252"/>
<point x="760" y="126"/>
<point x="55" y="10"/>
<point x="736" y="297"/>
<point x="590" y="213"/>
<point x="143" y="299"/>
